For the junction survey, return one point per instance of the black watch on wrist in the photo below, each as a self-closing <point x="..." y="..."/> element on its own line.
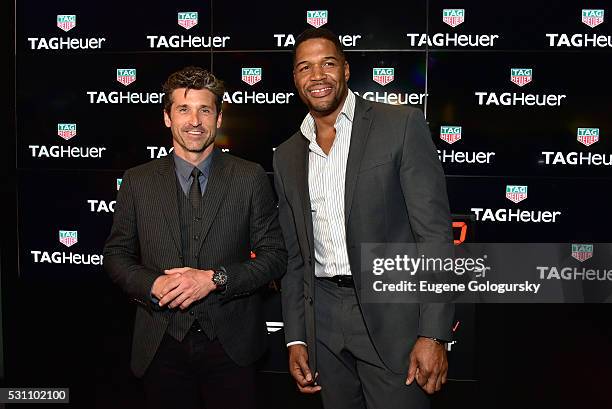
<point x="219" y="278"/>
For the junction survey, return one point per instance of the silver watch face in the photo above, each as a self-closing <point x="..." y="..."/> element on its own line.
<point x="219" y="277"/>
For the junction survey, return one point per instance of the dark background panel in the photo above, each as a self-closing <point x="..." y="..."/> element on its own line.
<point x="519" y="134"/>
<point x="67" y="208"/>
<point x="124" y="129"/>
<point x="583" y="203"/>
<point x="124" y="25"/>
<point x="251" y="129"/>
<point x="519" y="25"/>
<point x="380" y="26"/>
<point x="409" y="83"/>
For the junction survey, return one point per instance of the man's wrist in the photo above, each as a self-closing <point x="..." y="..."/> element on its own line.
<point x="436" y="340"/>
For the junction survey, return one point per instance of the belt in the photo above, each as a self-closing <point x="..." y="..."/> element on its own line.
<point x="340" y="280"/>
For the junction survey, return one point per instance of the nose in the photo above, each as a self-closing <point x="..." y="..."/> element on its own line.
<point x="317" y="72"/>
<point x="194" y="119"/>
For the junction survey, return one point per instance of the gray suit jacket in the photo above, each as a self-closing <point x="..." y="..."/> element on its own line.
<point x="240" y="216"/>
<point x="395" y="193"/>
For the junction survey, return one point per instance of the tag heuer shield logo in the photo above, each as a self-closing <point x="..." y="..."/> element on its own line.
<point x="126" y="75"/>
<point x="450" y="134"/>
<point x="66" y="131"/>
<point x="582" y="252"/>
<point x="592" y="18"/>
<point x="516" y="193"/>
<point x="66" y="21"/>
<point x="251" y="75"/>
<point x="383" y="76"/>
<point x="588" y="136"/>
<point x="187" y="19"/>
<point x="316" y="18"/>
<point x="68" y="237"/>
<point x="521" y="76"/>
<point x="453" y="17"/>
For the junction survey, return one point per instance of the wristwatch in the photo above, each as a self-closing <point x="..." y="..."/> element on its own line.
<point x="220" y="278"/>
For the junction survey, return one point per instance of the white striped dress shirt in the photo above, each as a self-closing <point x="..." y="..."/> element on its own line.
<point x="326" y="181"/>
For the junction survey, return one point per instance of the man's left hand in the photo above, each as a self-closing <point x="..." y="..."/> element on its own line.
<point x="428" y="365"/>
<point x="195" y="285"/>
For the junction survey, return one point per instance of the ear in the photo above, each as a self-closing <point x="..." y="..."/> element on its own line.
<point x="347" y="71"/>
<point x="219" y="119"/>
<point x="167" y="119"/>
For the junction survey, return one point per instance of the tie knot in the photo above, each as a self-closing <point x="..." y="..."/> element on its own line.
<point x="196" y="173"/>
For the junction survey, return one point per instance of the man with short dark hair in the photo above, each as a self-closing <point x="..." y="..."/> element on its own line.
<point x="357" y="172"/>
<point x="180" y="246"/>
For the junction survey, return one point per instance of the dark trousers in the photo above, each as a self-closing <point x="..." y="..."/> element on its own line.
<point x="351" y="373"/>
<point x="197" y="373"/>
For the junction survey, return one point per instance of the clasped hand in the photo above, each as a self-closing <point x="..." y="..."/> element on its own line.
<point x="180" y="287"/>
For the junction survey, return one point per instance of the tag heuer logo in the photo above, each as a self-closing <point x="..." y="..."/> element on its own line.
<point x="66" y="21"/>
<point x="516" y="193"/>
<point x="66" y="131"/>
<point x="126" y="75"/>
<point x="582" y="252"/>
<point x="453" y="17"/>
<point x="592" y="18"/>
<point x="383" y="76"/>
<point x="187" y="19"/>
<point x="316" y="18"/>
<point x="588" y="136"/>
<point x="68" y="237"/>
<point x="521" y="76"/>
<point x="251" y="75"/>
<point x="119" y="181"/>
<point x="450" y="134"/>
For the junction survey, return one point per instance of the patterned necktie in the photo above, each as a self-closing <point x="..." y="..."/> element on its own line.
<point x="195" y="192"/>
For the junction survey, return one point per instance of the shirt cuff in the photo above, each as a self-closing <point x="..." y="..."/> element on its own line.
<point x="296" y="343"/>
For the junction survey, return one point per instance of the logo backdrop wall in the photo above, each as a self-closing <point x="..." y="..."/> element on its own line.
<point x="516" y="99"/>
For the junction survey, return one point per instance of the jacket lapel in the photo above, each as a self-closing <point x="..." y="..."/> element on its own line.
<point x="359" y="137"/>
<point x="169" y="200"/>
<point x="301" y="180"/>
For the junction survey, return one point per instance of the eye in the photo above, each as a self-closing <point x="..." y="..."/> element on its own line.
<point x="304" y="68"/>
<point x="205" y="110"/>
<point x="329" y="64"/>
<point x="182" y="109"/>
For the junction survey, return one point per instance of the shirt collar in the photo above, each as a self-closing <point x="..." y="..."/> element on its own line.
<point x="308" y="127"/>
<point x="184" y="168"/>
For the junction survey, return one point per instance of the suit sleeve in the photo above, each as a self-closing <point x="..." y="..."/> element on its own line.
<point x="266" y="242"/>
<point x="122" y="253"/>
<point x="292" y="285"/>
<point x="424" y="189"/>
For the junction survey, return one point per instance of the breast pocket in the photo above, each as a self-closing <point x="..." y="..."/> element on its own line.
<point x="375" y="162"/>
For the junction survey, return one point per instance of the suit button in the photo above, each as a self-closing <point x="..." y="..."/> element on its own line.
<point x="310" y="300"/>
<point x="196" y="237"/>
<point x="197" y="219"/>
<point x="190" y="312"/>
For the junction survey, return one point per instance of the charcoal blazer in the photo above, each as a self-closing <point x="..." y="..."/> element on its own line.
<point x="395" y="192"/>
<point x="240" y="215"/>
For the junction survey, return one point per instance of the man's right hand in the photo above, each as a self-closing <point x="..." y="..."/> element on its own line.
<point x="298" y="367"/>
<point x="164" y="284"/>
